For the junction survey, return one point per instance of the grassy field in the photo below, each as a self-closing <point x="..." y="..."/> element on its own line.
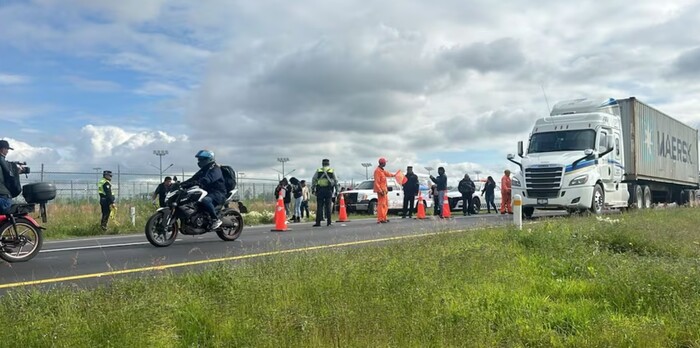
<point x="621" y="281"/>
<point x="80" y="219"/>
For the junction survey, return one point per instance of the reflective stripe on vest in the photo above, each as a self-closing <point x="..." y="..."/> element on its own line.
<point x="322" y="180"/>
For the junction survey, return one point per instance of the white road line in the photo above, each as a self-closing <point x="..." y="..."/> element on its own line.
<point x="105" y="246"/>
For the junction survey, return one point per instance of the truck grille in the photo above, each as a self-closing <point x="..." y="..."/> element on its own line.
<point x="543" y="182"/>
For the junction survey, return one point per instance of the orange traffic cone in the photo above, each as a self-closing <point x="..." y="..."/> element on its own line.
<point x="421" y="208"/>
<point x="280" y="217"/>
<point x="445" y="207"/>
<point x="342" y="213"/>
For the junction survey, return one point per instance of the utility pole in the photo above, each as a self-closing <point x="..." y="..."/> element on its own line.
<point x="160" y="154"/>
<point x="283" y="160"/>
<point x="477" y="172"/>
<point x="366" y="165"/>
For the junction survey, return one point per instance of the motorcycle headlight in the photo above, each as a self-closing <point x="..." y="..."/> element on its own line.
<point x="579" y="180"/>
<point x="515" y="182"/>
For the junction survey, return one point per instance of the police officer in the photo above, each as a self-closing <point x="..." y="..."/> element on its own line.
<point x="323" y="185"/>
<point x="104" y="188"/>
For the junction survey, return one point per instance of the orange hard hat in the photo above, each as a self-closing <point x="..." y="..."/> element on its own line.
<point x="382" y="160"/>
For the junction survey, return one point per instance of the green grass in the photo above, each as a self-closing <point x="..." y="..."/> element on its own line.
<point x="567" y="282"/>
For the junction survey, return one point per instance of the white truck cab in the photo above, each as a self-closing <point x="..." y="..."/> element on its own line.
<point x="574" y="159"/>
<point x="362" y="198"/>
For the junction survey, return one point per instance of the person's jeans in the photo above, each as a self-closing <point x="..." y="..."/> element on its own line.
<point x="286" y="208"/>
<point x="408" y="202"/>
<point x="305" y="208"/>
<point x="467" y="204"/>
<point x="490" y="202"/>
<point x="323" y="204"/>
<point x="297" y="207"/>
<point x="5" y="204"/>
<point x="209" y="206"/>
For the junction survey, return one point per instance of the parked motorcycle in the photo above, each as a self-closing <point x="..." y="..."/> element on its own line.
<point x="20" y="235"/>
<point x="183" y="215"/>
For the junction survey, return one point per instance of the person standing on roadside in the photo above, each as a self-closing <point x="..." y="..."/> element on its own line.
<point x="161" y="191"/>
<point x="505" y="193"/>
<point x="441" y="183"/>
<point x="435" y="195"/>
<point x="286" y="194"/>
<point x="296" y="193"/>
<point x="489" y="189"/>
<point x="304" y="199"/>
<point x="323" y="185"/>
<point x="104" y="188"/>
<point x="466" y="188"/>
<point x="410" y="190"/>
<point x="380" y="187"/>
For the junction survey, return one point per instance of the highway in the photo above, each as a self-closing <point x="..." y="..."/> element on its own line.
<point x="98" y="260"/>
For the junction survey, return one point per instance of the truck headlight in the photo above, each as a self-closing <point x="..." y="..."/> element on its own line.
<point x="579" y="180"/>
<point x="514" y="182"/>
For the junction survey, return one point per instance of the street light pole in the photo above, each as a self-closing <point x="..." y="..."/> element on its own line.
<point x="429" y="169"/>
<point x="160" y="154"/>
<point x="366" y="165"/>
<point x="97" y="171"/>
<point x="283" y="160"/>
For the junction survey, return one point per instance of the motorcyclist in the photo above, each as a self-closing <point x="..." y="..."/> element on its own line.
<point x="210" y="179"/>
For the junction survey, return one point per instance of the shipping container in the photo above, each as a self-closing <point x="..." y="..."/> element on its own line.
<point x="658" y="147"/>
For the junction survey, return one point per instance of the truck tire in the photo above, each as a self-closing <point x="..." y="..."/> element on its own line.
<point x="598" y="201"/>
<point x="638" y="197"/>
<point x="372" y="208"/>
<point x="647" y="197"/>
<point x="528" y="211"/>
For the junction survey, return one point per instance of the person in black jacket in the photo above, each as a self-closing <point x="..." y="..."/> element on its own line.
<point x="410" y="190"/>
<point x="287" y="198"/>
<point x="489" y="189"/>
<point x="441" y="183"/>
<point x="466" y="188"/>
<point x="211" y="179"/>
<point x="297" y="193"/>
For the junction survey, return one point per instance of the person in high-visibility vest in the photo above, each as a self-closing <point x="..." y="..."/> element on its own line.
<point x="104" y="188"/>
<point x="322" y="185"/>
<point x="380" y="187"/>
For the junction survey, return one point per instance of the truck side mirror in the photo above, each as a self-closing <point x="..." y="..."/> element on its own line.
<point x="510" y="156"/>
<point x="611" y="142"/>
<point x="520" y="149"/>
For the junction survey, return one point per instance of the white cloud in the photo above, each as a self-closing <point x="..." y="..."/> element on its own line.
<point x="11" y="79"/>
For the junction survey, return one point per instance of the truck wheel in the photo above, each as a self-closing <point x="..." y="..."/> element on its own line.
<point x="372" y="210"/>
<point x="647" y="197"/>
<point x="638" y="197"/>
<point x="528" y="211"/>
<point x="598" y="201"/>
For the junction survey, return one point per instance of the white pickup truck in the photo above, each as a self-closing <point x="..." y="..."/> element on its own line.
<point x="363" y="198"/>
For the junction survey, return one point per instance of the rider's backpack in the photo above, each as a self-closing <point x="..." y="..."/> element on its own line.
<point x="12" y="180"/>
<point x="229" y="177"/>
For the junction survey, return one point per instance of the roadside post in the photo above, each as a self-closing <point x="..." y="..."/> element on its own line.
<point x="518" y="211"/>
<point x="132" y="213"/>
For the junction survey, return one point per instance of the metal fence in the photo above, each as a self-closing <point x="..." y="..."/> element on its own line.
<point x="82" y="185"/>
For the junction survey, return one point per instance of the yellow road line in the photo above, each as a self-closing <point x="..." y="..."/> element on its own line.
<point x="202" y="262"/>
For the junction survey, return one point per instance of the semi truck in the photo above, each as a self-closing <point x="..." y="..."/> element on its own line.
<point x="592" y="155"/>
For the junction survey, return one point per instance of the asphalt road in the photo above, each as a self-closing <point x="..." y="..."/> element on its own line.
<point x="89" y="261"/>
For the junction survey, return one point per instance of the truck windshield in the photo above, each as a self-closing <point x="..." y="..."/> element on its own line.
<point x="365" y="185"/>
<point x="562" y="141"/>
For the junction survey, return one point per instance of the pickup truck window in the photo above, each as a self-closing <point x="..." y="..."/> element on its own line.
<point x="573" y="140"/>
<point x="365" y="185"/>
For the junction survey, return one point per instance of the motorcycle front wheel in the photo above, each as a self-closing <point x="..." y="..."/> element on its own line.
<point x="157" y="233"/>
<point x="232" y="232"/>
<point x="23" y="245"/>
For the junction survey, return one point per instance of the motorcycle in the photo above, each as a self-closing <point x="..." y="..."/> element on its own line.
<point x="20" y="235"/>
<point x="182" y="215"/>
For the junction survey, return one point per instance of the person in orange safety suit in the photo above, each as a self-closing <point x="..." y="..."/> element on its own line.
<point x="506" y="206"/>
<point x="382" y="191"/>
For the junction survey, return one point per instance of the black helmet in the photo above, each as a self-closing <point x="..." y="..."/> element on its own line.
<point x="204" y="158"/>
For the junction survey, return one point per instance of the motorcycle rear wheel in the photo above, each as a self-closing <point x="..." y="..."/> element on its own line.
<point x="157" y="234"/>
<point x="229" y="234"/>
<point x="24" y="245"/>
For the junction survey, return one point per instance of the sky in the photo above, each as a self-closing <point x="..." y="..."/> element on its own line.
<point x="451" y="83"/>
